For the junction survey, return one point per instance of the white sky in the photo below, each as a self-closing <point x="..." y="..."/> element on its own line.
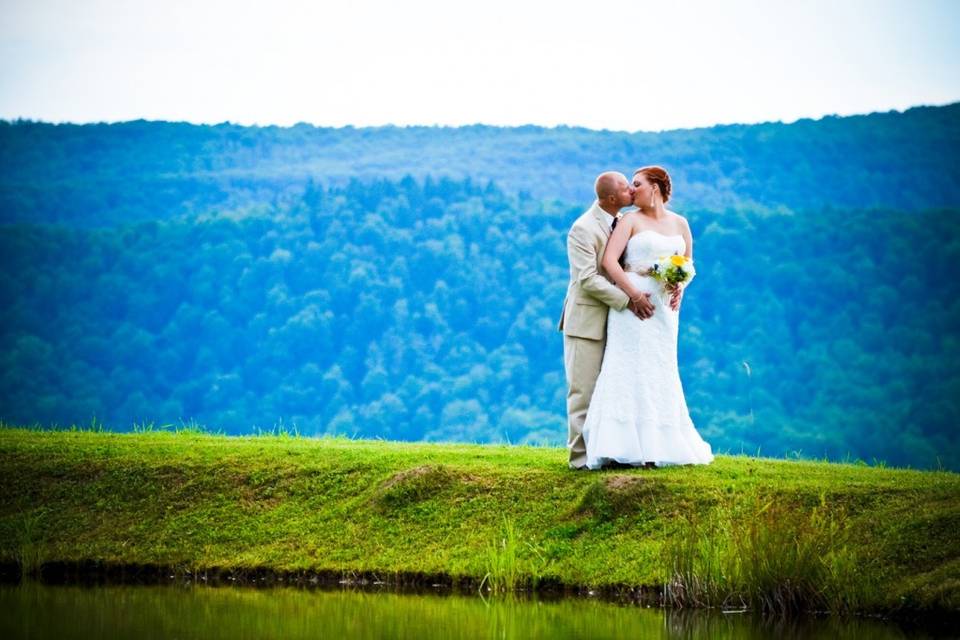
<point x="619" y="65"/>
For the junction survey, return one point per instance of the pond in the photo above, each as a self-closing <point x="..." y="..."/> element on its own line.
<point x="34" y="610"/>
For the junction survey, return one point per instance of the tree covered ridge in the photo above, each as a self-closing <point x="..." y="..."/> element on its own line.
<point x="427" y="309"/>
<point x="102" y="174"/>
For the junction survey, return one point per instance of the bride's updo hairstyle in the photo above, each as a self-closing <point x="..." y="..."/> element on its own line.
<point x="658" y="176"/>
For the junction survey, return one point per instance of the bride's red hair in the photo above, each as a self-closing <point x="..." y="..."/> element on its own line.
<point x="658" y="176"/>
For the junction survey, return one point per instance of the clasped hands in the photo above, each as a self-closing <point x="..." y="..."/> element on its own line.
<point x="641" y="306"/>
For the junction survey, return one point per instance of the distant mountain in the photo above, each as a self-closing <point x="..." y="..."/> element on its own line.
<point x="101" y="174"/>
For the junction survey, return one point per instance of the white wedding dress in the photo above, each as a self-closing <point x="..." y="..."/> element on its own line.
<point x="637" y="412"/>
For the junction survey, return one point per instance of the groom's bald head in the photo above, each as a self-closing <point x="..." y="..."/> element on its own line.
<point x="613" y="190"/>
<point x="608" y="184"/>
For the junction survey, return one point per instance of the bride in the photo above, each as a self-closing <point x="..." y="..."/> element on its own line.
<point x="638" y="414"/>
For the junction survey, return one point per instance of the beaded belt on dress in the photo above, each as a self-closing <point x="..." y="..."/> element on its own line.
<point x="639" y="269"/>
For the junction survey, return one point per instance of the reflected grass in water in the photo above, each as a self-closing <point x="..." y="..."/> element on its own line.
<point x="40" y="611"/>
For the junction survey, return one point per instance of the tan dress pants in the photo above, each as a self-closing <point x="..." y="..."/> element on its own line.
<point x="582" y="358"/>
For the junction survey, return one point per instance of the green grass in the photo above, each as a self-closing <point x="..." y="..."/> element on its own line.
<point x="769" y="534"/>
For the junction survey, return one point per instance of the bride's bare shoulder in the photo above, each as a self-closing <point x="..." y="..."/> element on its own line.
<point x="678" y="220"/>
<point x="630" y="217"/>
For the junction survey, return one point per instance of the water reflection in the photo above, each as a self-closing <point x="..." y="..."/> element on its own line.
<point x="34" y="610"/>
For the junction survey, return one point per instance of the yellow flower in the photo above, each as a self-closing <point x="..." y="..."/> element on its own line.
<point x="678" y="261"/>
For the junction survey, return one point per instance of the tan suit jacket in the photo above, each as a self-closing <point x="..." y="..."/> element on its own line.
<point x="591" y="292"/>
<point x="590" y="296"/>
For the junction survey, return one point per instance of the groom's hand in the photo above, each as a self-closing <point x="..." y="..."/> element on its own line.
<point x="641" y="306"/>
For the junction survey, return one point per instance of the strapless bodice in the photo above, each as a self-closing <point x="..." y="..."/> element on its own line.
<point x="647" y="246"/>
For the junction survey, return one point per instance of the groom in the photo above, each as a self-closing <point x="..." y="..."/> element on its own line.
<point x="590" y="295"/>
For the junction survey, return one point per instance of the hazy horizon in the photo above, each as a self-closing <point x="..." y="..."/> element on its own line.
<point x="622" y="67"/>
<point x="476" y="124"/>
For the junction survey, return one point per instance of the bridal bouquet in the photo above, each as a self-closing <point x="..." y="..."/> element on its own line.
<point x="673" y="271"/>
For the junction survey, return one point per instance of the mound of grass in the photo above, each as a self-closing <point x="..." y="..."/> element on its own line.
<point x="742" y="532"/>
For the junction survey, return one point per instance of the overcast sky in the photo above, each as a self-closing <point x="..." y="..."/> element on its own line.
<point x="617" y="65"/>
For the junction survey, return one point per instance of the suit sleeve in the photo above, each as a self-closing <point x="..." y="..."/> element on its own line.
<point x="583" y="261"/>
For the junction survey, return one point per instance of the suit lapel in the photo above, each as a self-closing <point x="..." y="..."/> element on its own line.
<point x="600" y="216"/>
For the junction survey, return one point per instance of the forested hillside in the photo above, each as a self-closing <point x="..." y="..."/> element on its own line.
<point x="406" y="282"/>
<point x="411" y="310"/>
<point x="113" y="173"/>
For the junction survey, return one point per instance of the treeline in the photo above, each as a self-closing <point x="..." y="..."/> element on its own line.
<point x="426" y="309"/>
<point x="104" y="174"/>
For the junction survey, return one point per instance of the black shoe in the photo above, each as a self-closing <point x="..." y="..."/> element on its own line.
<point x="613" y="464"/>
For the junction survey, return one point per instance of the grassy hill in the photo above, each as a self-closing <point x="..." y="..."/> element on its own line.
<point x="769" y="534"/>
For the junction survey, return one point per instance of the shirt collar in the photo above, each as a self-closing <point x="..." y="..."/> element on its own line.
<point x="605" y="218"/>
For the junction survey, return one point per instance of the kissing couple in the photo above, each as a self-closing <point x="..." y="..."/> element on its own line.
<point x="620" y="320"/>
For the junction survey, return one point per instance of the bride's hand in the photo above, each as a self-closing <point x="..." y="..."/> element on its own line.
<point x="676" y="296"/>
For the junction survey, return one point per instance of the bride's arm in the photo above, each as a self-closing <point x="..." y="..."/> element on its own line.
<point x="688" y="243"/>
<point x="687" y="237"/>
<point x="611" y="256"/>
